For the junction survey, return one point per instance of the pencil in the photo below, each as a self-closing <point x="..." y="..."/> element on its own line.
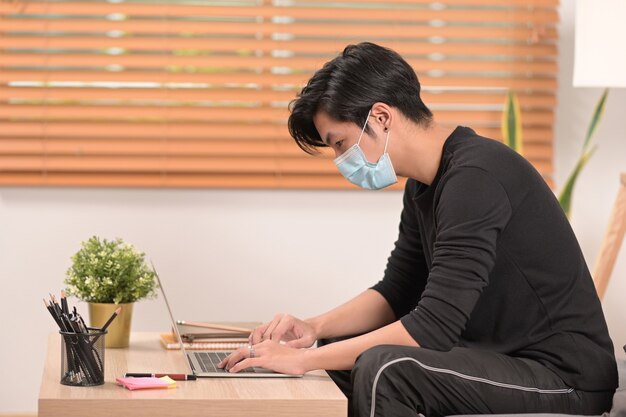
<point x="55" y="305"/>
<point x="52" y="313"/>
<point x="110" y="320"/>
<point x="64" y="306"/>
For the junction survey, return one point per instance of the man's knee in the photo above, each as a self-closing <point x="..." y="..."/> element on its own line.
<point x="381" y="374"/>
<point x="372" y="363"/>
<point x="363" y="375"/>
<point x="368" y="363"/>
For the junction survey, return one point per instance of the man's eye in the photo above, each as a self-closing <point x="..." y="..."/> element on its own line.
<point x="339" y="143"/>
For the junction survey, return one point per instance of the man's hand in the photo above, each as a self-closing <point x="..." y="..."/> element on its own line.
<point x="294" y="332"/>
<point x="268" y="354"/>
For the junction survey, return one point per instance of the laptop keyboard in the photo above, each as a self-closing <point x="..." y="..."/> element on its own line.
<point x="208" y="361"/>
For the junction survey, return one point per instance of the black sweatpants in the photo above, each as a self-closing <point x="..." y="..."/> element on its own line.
<point x="395" y="381"/>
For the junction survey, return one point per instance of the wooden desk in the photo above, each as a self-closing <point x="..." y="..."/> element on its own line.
<point x="313" y="395"/>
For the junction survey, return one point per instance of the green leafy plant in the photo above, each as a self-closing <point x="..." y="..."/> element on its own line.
<point x="512" y="123"/>
<point x="565" y="198"/>
<point x="105" y="271"/>
<point x="512" y="136"/>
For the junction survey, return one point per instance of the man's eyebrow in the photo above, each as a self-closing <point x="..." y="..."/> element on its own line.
<point x="328" y="138"/>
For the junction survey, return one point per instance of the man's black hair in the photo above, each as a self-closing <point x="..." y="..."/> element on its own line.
<point x="347" y="87"/>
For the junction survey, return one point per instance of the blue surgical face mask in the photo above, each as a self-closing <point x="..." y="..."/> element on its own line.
<point x="355" y="167"/>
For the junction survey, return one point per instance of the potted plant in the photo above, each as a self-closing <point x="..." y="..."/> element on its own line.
<point x="107" y="275"/>
<point x="512" y="136"/>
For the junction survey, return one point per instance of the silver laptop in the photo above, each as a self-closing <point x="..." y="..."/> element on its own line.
<point x="203" y="364"/>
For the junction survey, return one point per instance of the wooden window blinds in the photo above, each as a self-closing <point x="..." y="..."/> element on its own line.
<point x="194" y="93"/>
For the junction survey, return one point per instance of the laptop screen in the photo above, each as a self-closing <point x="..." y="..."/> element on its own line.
<point x="174" y="326"/>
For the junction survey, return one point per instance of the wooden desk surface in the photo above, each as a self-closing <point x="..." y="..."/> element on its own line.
<point x="313" y="395"/>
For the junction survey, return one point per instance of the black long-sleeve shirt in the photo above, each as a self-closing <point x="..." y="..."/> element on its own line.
<point x="486" y="259"/>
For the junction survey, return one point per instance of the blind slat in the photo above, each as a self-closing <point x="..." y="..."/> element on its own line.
<point x="262" y="63"/>
<point x="315" y="181"/>
<point x="525" y="4"/>
<point x="234" y="114"/>
<point x="215" y="164"/>
<point x="265" y="133"/>
<point x="156" y="147"/>
<point x="232" y="95"/>
<point x="212" y="164"/>
<point x="267" y="30"/>
<point x="266" y="46"/>
<point x="171" y="11"/>
<point x="484" y="82"/>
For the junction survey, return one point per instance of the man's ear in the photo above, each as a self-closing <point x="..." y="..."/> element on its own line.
<point x="383" y="116"/>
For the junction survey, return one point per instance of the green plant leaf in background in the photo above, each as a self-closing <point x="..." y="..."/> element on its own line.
<point x="565" y="198"/>
<point x="595" y="120"/>
<point x="512" y="123"/>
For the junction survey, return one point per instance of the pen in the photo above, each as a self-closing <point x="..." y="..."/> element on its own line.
<point x="175" y="377"/>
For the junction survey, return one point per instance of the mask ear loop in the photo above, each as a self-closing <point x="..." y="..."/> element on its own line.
<point x="364" y="126"/>
<point x="386" y="142"/>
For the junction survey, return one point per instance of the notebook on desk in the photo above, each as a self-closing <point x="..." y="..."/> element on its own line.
<point x="204" y="331"/>
<point x="168" y="341"/>
<point x="203" y="363"/>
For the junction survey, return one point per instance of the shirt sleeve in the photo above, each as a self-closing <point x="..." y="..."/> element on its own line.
<point x="406" y="271"/>
<point x="470" y="213"/>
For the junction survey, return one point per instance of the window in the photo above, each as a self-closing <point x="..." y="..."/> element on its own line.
<point x="194" y="93"/>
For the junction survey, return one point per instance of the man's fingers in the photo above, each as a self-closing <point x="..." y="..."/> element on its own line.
<point x="246" y="363"/>
<point x="285" y="325"/>
<point x="257" y="334"/>
<point x="232" y="359"/>
<point x="270" y="329"/>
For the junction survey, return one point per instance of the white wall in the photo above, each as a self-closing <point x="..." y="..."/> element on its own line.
<point x="223" y="255"/>
<point x="245" y="255"/>
<point x="597" y="186"/>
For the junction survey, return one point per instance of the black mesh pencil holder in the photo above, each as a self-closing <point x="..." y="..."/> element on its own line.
<point x="82" y="358"/>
